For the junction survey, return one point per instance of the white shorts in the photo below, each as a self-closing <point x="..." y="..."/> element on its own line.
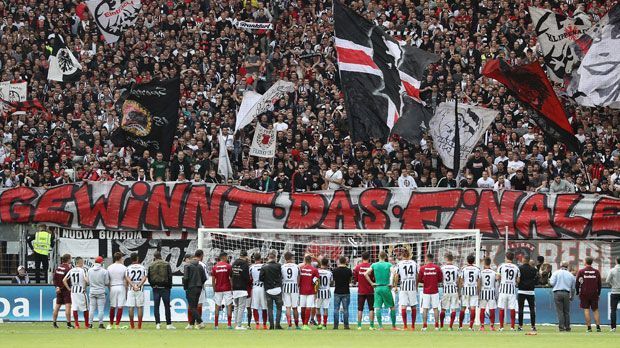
<point x="407" y="298"/>
<point x="290" y="300"/>
<point x="117" y="296"/>
<point x="79" y="302"/>
<point x="258" y="298"/>
<point x="450" y="301"/>
<point x="306" y="300"/>
<point x="488" y="304"/>
<point x="224" y="298"/>
<point x="507" y="301"/>
<point x="322" y="303"/>
<point x="135" y="298"/>
<point x="428" y="301"/>
<point x="239" y="293"/>
<point x="469" y="301"/>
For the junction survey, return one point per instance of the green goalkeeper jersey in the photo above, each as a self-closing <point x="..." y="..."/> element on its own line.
<point x="382" y="271"/>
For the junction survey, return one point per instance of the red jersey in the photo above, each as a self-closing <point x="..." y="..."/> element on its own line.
<point x="430" y="275"/>
<point x="308" y="275"/>
<point x="363" y="287"/>
<point x="589" y="282"/>
<point x="222" y="272"/>
<point x="60" y="273"/>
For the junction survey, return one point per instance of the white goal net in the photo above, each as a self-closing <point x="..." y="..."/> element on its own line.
<point x="332" y="244"/>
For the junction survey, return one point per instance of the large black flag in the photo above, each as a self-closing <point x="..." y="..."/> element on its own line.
<point x="149" y="114"/>
<point x="377" y="73"/>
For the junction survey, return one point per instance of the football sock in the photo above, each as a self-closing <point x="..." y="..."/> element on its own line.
<point x="379" y="317"/>
<point x="119" y="315"/>
<point x="393" y="317"/>
<point x="217" y="319"/>
<point x="131" y="324"/>
<point x="303" y="316"/>
<point x="492" y="316"/>
<point x="111" y="315"/>
<point x="296" y="316"/>
<point x="512" y="318"/>
<point x="325" y="319"/>
<point x="502" y="315"/>
<point x="75" y="318"/>
<point x="255" y="312"/>
<point x="481" y="316"/>
<point x="288" y="319"/>
<point x="86" y="318"/>
<point x="472" y="317"/>
<point x="452" y="318"/>
<point x="249" y="310"/>
<point x="229" y="319"/>
<point x="139" y="321"/>
<point x="264" y="317"/>
<point x="442" y="316"/>
<point x="461" y="317"/>
<point x="413" y="316"/>
<point x="199" y="312"/>
<point x="403" y="313"/>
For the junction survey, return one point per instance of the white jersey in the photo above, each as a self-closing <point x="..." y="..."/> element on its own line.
<point x="290" y="278"/>
<point x="325" y="281"/>
<point x="487" y="284"/>
<point x="450" y="276"/>
<point x="255" y="274"/>
<point x="509" y="272"/>
<point x="470" y="275"/>
<point x="77" y="278"/>
<point x="117" y="274"/>
<point x="136" y="272"/>
<point x="407" y="275"/>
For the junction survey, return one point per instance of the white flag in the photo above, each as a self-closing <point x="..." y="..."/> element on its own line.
<point x="224" y="167"/>
<point x="264" y="142"/>
<point x="113" y="17"/>
<point x="254" y="104"/>
<point x="556" y="34"/>
<point x="63" y="66"/>
<point x="13" y="92"/>
<point x="473" y="122"/>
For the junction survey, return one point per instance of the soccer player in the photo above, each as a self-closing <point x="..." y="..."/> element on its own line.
<point x="99" y="280"/>
<point x="290" y="289"/>
<point x="508" y="274"/>
<point x="406" y="278"/>
<point x="383" y="288"/>
<point x="135" y="277"/>
<point x="469" y="282"/>
<point x="430" y="275"/>
<point x="488" y="298"/>
<point x="308" y="283"/>
<point x="221" y="273"/>
<point x="63" y="296"/>
<point x="79" y="281"/>
<point x="118" y="290"/>
<point x="450" y="298"/>
<point x="589" y="290"/>
<point x="324" y="294"/>
<point x="258" y="292"/>
<point x="365" y="292"/>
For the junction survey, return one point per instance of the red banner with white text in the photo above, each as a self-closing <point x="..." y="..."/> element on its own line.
<point x="186" y="207"/>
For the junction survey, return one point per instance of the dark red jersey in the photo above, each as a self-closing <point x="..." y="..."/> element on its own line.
<point x="430" y="275"/>
<point x="589" y="282"/>
<point x="363" y="287"/>
<point x="221" y="272"/>
<point x="308" y="275"/>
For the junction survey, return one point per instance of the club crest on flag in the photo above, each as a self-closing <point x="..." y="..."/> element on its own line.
<point x="113" y="17"/>
<point x="135" y="118"/>
<point x="264" y="142"/>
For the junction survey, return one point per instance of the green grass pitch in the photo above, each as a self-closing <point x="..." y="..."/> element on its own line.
<point x="23" y="335"/>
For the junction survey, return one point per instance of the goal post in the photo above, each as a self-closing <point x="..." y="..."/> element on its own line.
<point x="333" y="243"/>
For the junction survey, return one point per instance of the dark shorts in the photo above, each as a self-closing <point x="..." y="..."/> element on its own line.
<point x="368" y="298"/>
<point x="588" y="302"/>
<point x="64" y="297"/>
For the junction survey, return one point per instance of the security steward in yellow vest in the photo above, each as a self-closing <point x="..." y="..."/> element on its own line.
<point x="41" y="244"/>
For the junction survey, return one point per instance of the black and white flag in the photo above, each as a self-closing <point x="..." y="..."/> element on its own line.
<point x="556" y="33"/>
<point x="264" y="142"/>
<point x="597" y="80"/>
<point x="63" y="66"/>
<point x="254" y="104"/>
<point x="473" y="122"/>
<point x="114" y="17"/>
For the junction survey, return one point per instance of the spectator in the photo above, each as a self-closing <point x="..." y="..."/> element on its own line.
<point x="406" y="181"/>
<point x="563" y="283"/>
<point x="559" y="185"/>
<point x="342" y="294"/>
<point x="448" y="180"/>
<point x="271" y="276"/>
<point x="160" y="278"/>
<point x="485" y="181"/>
<point x="22" y="277"/>
<point x="333" y="177"/>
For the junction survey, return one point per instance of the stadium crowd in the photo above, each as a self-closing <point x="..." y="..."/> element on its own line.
<point x="217" y="61"/>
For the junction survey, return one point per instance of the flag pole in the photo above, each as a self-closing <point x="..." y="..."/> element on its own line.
<point x="457" y="139"/>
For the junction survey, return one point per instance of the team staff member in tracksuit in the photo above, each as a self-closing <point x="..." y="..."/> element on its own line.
<point x="99" y="280"/>
<point x="527" y="282"/>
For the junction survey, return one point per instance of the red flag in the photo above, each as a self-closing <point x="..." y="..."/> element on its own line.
<point x="530" y="85"/>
